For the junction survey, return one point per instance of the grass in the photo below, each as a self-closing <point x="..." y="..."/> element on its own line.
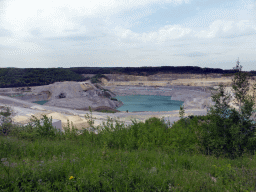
<point x="142" y="157"/>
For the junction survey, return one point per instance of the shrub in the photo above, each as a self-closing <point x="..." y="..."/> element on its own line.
<point x="114" y="99"/>
<point x="224" y="136"/>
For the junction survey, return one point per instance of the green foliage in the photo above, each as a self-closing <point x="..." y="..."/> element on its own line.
<point x="143" y="157"/>
<point x="183" y="135"/>
<point x="13" y="77"/>
<point x="230" y="136"/>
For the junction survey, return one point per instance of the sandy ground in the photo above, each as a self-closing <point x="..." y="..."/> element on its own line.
<point x="193" y="81"/>
<point x="77" y="117"/>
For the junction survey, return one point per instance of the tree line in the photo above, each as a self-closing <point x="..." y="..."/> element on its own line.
<point x="16" y="77"/>
<point x="20" y="77"/>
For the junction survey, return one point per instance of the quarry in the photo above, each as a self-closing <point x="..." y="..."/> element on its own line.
<point x="70" y="100"/>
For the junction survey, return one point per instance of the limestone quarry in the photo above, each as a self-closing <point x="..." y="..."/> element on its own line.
<point x="70" y="100"/>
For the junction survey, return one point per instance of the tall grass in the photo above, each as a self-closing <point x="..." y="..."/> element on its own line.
<point x="148" y="156"/>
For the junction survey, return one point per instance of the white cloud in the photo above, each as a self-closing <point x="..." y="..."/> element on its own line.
<point x="55" y="17"/>
<point x="65" y="31"/>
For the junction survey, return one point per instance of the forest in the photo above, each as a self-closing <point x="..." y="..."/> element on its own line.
<point x="23" y="77"/>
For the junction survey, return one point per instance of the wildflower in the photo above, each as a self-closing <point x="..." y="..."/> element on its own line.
<point x="71" y="177"/>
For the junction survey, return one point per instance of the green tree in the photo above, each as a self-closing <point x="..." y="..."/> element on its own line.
<point x="241" y="86"/>
<point x="229" y="132"/>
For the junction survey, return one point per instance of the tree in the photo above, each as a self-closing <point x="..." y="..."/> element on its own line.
<point x="241" y="86"/>
<point x="229" y="132"/>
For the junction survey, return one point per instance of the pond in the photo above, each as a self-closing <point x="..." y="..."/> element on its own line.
<point x="40" y="102"/>
<point x="134" y="103"/>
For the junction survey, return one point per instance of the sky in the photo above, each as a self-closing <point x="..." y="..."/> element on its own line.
<point x="128" y="33"/>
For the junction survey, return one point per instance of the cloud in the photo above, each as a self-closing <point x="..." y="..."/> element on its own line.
<point x="5" y="32"/>
<point x="193" y="54"/>
<point x="57" y="17"/>
<point x="146" y="32"/>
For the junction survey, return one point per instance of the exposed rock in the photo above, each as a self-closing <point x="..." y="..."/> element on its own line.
<point x="198" y="103"/>
<point x="74" y="95"/>
<point x="87" y="86"/>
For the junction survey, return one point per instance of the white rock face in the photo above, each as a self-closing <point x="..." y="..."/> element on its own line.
<point x="74" y="95"/>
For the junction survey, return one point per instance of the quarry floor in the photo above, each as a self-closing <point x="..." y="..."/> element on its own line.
<point x="23" y="110"/>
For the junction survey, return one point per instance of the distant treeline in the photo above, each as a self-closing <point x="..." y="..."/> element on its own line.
<point x="16" y="77"/>
<point x="19" y="77"/>
<point x="145" y="71"/>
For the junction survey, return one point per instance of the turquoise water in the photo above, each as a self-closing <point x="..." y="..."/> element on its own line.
<point x="148" y="103"/>
<point x="143" y="103"/>
<point x="40" y="102"/>
<point x="134" y="103"/>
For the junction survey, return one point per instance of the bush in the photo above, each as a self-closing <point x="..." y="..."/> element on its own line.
<point x="184" y="135"/>
<point x="226" y="137"/>
<point x="114" y="99"/>
<point x="229" y="133"/>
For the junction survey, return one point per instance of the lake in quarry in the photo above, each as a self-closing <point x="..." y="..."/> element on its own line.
<point x="134" y="103"/>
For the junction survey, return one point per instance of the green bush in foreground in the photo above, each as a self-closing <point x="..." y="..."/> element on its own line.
<point x="231" y="136"/>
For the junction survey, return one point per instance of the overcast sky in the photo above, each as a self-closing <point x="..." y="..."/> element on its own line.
<point x="127" y="33"/>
